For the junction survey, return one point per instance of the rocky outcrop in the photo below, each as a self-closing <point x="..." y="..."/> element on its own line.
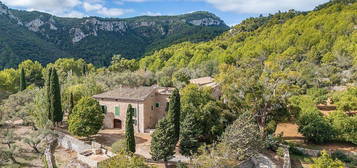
<point x="206" y="22"/>
<point x="35" y="25"/>
<point x="77" y="34"/>
<point x="4" y="10"/>
<point x="112" y="26"/>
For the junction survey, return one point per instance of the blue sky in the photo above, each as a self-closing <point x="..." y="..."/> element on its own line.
<point x="231" y="11"/>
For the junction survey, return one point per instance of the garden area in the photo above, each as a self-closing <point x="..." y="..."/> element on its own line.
<point x="324" y="121"/>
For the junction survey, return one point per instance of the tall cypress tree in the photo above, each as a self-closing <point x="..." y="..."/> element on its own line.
<point x="84" y="69"/>
<point x="175" y="112"/>
<point x="71" y="104"/>
<point x="163" y="141"/>
<point x="22" y="80"/>
<point x="48" y="81"/>
<point x="190" y="132"/>
<point x="55" y="98"/>
<point x="129" y="130"/>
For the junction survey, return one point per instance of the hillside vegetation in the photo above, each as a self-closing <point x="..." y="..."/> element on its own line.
<point x="291" y="43"/>
<point x="45" y="38"/>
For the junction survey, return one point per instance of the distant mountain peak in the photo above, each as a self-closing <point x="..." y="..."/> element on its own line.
<point x="97" y="39"/>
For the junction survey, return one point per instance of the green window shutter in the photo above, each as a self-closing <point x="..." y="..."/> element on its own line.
<point x="104" y="109"/>
<point x="117" y="110"/>
<point x="157" y="105"/>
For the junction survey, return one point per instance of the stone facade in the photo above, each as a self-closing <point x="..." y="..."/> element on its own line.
<point x="147" y="111"/>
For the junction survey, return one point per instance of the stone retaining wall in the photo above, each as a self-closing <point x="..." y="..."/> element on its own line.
<point x="71" y="143"/>
<point x="262" y="161"/>
<point x="287" y="160"/>
<point x="316" y="153"/>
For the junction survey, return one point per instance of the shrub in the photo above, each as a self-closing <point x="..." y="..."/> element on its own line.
<point x="86" y="118"/>
<point x="341" y="156"/>
<point x="325" y="161"/>
<point x="345" y="126"/>
<point x="181" y="165"/>
<point x="315" y="127"/>
<point x="280" y="151"/>
<point x="273" y="142"/>
<point x="119" y="147"/>
<point x="271" y="127"/>
<point x="295" y="151"/>
<point x="123" y="161"/>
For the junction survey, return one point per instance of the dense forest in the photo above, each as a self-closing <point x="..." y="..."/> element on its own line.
<point x="45" y="38"/>
<point x="271" y="69"/>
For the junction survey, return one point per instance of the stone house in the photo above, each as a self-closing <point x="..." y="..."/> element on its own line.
<point x="208" y="82"/>
<point x="150" y="105"/>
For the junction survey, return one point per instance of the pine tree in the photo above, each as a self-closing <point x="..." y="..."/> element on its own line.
<point x="48" y="94"/>
<point x="129" y="130"/>
<point x="175" y="112"/>
<point x="55" y="98"/>
<point x="22" y="80"/>
<point x="190" y="130"/>
<point x="163" y="141"/>
<point x="71" y="104"/>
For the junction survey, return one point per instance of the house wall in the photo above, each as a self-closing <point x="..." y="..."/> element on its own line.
<point x="153" y="114"/>
<point x="123" y="106"/>
<point x="148" y="114"/>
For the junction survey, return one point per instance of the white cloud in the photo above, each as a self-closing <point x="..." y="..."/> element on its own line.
<point x="44" y="5"/>
<point x="74" y="14"/>
<point x="111" y="12"/>
<point x="149" y="13"/>
<point x="264" y="6"/>
<point x="68" y="8"/>
<point x="91" y="7"/>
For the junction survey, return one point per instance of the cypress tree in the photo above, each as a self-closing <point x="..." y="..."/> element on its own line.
<point x="129" y="130"/>
<point x="55" y="98"/>
<point x="163" y="141"/>
<point x="190" y="132"/>
<point x="175" y="112"/>
<point x="48" y="94"/>
<point x="84" y="69"/>
<point x="22" y="80"/>
<point x="71" y="104"/>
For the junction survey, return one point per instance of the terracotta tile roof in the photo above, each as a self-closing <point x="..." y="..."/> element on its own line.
<point x="127" y="93"/>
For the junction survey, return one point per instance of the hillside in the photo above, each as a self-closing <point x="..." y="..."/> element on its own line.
<point x="43" y="37"/>
<point x="321" y="43"/>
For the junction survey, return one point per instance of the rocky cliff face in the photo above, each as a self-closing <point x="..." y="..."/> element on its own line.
<point x="91" y="26"/>
<point x="98" y="39"/>
<point x="4" y="10"/>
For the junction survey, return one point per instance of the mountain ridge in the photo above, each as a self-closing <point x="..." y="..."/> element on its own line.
<point x="97" y="39"/>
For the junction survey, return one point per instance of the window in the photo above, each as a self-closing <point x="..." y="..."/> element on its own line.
<point x="135" y="112"/>
<point x="167" y="106"/>
<point x="157" y="105"/>
<point x="104" y="108"/>
<point x="117" y="110"/>
<point x="152" y="107"/>
<point x="135" y="122"/>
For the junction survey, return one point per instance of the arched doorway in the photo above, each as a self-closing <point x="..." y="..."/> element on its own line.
<point x="117" y="123"/>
